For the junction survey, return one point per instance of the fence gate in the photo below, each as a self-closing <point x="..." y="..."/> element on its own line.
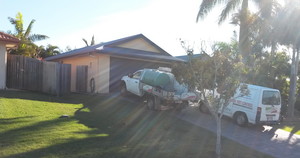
<point x="24" y="73"/>
<point x="81" y="78"/>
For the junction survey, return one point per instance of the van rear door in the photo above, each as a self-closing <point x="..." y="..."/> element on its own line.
<point x="270" y="106"/>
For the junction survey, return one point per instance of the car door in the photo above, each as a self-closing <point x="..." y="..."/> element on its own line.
<point x="134" y="82"/>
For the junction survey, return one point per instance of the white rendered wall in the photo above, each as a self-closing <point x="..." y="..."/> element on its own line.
<point x="3" y="61"/>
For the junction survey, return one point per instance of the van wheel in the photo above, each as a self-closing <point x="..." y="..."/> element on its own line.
<point x="203" y="108"/>
<point x="179" y="107"/>
<point x="241" y="119"/>
<point x="150" y="103"/>
<point x="123" y="90"/>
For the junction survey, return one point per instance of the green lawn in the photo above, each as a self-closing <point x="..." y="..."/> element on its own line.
<point x="100" y="126"/>
<point x="290" y="125"/>
<point x="295" y="129"/>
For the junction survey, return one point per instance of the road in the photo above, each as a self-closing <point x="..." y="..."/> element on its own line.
<point x="274" y="142"/>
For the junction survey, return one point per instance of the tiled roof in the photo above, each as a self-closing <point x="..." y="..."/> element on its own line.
<point x="8" y="38"/>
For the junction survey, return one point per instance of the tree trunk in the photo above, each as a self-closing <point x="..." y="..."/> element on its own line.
<point x="244" y="44"/>
<point x="273" y="48"/>
<point x="272" y="73"/>
<point x="219" y="132"/>
<point x="293" y="83"/>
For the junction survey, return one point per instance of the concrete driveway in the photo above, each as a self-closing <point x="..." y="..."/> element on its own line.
<point x="275" y="142"/>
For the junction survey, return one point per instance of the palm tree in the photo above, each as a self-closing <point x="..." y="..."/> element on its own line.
<point x="287" y="31"/>
<point x="92" y="41"/>
<point x="26" y="46"/>
<point x="50" y="50"/>
<point x="266" y="7"/>
<point x="231" y="5"/>
<point x="268" y="11"/>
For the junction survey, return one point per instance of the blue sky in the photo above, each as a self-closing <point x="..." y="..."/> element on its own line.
<point x="164" y="22"/>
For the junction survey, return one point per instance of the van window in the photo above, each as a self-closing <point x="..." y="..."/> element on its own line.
<point x="271" y="98"/>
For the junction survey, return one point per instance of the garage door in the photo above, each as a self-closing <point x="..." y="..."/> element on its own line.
<point x="120" y="67"/>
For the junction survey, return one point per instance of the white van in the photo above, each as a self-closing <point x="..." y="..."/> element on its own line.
<point x="261" y="106"/>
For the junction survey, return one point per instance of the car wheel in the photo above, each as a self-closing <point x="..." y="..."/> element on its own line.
<point x="123" y="90"/>
<point x="203" y="108"/>
<point x="241" y="119"/>
<point x="157" y="103"/>
<point x="150" y="103"/>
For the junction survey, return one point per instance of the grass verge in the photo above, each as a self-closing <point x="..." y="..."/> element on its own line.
<point x="291" y="125"/>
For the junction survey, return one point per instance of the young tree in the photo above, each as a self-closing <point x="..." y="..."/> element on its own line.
<point x="220" y="74"/>
<point x="26" y="46"/>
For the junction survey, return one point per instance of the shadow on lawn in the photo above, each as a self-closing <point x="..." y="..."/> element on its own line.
<point x="122" y="127"/>
<point x="28" y="95"/>
<point x="113" y="112"/>
<point x="143" y="133"/>
<point x="89" y="147"/>
<point x="16" y="135"/>
<point x="6" y="121"/>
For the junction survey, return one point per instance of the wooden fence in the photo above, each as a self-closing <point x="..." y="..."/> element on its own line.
<point x="31" y="74"/>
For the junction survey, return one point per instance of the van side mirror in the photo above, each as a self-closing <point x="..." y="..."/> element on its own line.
<point x="130" y="75"/>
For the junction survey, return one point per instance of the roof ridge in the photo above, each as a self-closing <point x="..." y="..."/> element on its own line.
<point x="8" y="37"/>
<point x="105" y="44"/>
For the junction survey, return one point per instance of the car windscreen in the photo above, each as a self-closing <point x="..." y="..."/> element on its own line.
<point x="271" y="97"/>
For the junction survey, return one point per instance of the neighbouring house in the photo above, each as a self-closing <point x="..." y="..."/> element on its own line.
<point x="6" y="42"/>
<point x="99" y="68"/>
<point x="186" y="58"/>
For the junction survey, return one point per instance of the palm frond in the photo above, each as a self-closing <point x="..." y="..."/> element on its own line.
<point x="205" y="7"/>
<point x="268" y="8"/>
<point x="52" y="47"/>
<point x="230" y="6"/>
<point x="28" y="30"/>
<point x="37" y="37"/>
<point x="12" y="20"/>
<point x="18" y="23"/>
<point x="93" y="41"/>
<point x="85" y="41"/>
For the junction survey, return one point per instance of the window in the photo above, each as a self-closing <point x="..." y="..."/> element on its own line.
<point x="137" y="75"/>
<point x="271" y="98"/>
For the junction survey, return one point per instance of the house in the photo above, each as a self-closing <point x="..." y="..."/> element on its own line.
<point x="6" y="42"/>
<point x="99" y="68"/>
